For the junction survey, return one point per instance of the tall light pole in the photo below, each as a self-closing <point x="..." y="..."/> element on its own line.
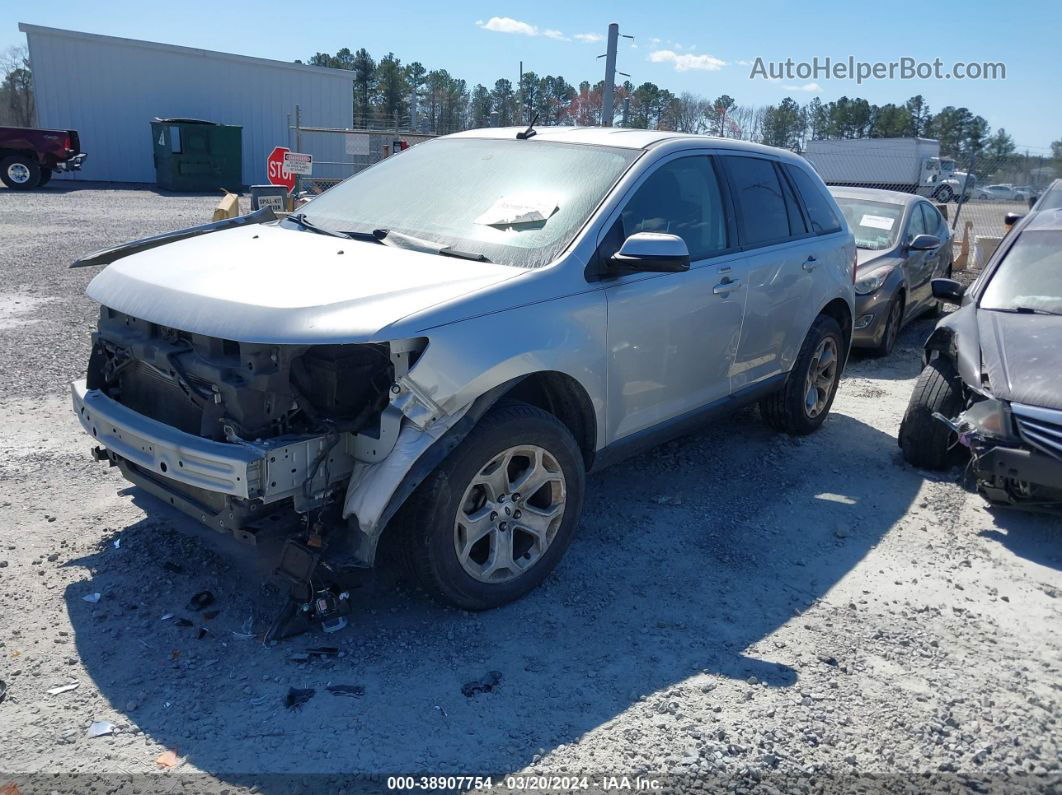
<point x="607" y="98"/>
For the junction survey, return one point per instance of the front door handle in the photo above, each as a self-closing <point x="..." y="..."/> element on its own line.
<point x="809" y="264"/>
<point x="726" y="286"/>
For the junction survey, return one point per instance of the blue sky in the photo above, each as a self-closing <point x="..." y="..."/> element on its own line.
<point x="682" y="45"/>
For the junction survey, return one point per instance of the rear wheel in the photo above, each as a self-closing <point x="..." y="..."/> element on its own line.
<point x="46" y="175"/>
<point x="927" y="442"/>
<point x="498" y="514"/>
<point x="19" y="172"/>
<point x="801" y="406"/>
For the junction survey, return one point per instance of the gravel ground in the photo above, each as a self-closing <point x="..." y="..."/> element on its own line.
<point x="737" y="603"/>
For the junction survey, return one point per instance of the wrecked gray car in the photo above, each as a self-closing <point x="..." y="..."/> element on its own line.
<point x="437" y="351"/>
<point x="992" y="383"/>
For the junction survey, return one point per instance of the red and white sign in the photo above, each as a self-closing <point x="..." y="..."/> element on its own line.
<point x="277" y="171"/>
<point x="298" y="163"/>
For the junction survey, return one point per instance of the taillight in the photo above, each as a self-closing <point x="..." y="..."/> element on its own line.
<point x="68" y="143"/>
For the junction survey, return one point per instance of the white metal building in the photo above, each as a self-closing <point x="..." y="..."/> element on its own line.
<point x="109" y="89"/>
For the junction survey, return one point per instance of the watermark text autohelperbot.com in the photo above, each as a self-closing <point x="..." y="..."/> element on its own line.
<point x="850" y="68"/>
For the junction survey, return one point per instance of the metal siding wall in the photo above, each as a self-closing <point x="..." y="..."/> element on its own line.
<point x="109" y="92"/>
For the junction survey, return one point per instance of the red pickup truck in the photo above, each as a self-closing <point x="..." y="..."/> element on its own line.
<point x="29" y="157"/>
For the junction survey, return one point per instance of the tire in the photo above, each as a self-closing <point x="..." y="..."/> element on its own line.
<point x="19" y="172"/>
<point x="927" y="442"/>
<point x="893" y="323"/>
<point x="945" y="194"/>
<point x="46" y="175"/>
<point x="787" y="409"/>
<point x="438" y="518"/>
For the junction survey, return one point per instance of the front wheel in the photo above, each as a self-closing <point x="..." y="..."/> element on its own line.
<point x="945" y="194"/>
<point x="892" y="328"/>
<point x="498" y="514"/>
<point x="801" y="406"/>
<point x="927" y="442"/>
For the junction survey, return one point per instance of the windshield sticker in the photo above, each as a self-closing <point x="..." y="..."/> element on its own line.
<point x="520" y="209"/>
<point x="877" y="222"/>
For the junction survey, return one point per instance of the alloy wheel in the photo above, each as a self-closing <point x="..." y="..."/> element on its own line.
<point x="821" y="378"/>
<point x="509" y="514"/>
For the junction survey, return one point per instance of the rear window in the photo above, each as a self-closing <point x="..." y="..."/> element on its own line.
<point x="761" y="204"/>
<point x="816" y="201"/>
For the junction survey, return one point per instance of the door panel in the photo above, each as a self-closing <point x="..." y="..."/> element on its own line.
<point x="672" y="337"/>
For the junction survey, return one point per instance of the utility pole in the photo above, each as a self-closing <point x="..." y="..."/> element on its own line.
<point x="610" y="75"/>
<point x="608" y="96"/>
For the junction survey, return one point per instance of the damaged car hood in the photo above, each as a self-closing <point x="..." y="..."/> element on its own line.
<point x="1022" y="356"/>
<point x="272" y="284"/>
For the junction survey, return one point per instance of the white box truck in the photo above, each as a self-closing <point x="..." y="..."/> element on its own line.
<point x="911" y="165"/>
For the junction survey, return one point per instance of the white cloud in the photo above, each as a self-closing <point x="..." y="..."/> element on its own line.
<point x="555" y="34"/>
<point x="589" y="38"/>
<point x="508" y="25"/>
<point x="744" y="63"/>
<point x="687" y="62"/>
<point x="811" y="87"/>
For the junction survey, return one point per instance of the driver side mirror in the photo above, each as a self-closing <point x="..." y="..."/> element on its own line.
<point x="651" y="252"/>
<point x="924" y="243"/>
<point x="948" y="290"/>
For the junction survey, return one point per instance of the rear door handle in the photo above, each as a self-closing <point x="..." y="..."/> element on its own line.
<point x="809" y="264"/>
<point x="726" y="287"/>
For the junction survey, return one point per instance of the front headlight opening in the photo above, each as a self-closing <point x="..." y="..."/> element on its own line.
<point x="990" y="418"/>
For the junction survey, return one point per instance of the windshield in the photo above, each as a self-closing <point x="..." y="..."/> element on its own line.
<point x="874" y="224"/>
<point x="513" y="202"/>
<point x="1029" y="279"/>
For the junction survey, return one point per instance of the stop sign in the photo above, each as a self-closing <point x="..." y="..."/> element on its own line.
<point x="275" y="170"/>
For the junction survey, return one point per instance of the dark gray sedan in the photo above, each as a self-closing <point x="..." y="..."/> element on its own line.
<point x="902" y="244"/>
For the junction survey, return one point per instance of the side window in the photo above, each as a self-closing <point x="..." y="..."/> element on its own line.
<point x="916" y="224"/>
<point x="797" y="226"/>
<point x="682" y="198"/>
<point x="762" y="216"/>
<point x="821" y="214"/>
<point x="933" y="218"/>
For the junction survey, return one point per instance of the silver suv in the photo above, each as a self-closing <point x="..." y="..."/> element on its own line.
<point x="436" y="351"/>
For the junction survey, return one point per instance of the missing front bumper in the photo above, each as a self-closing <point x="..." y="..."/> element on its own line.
<point x="302" y="469"/>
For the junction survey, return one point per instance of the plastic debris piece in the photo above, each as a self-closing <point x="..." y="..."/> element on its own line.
<point x="201" y="600"/>
<point x="92" y="598"/>
<point x="440" y="709"/>
<point x="484" y="685"/>
<point x="296" y="697"/>
<point x="350" y="691"/>
<point x="167" y="759"/>
<point x="101" y="728"/>
<point x="166" y="617"/>
<point x="118" y="543"/>
<point x="64" y="688"/>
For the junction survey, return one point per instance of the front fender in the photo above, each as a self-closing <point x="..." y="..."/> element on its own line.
<point x="465" y="369"/>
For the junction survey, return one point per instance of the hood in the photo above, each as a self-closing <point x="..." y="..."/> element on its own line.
<point x="1022" y="356"/>
<point x="267" y="284"/>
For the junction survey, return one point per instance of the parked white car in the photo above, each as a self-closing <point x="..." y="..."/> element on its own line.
<point x="443" y="345"/>
<point x="1003" y="193"/>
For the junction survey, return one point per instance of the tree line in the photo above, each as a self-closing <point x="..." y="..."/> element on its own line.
<point x="388" y="93"/>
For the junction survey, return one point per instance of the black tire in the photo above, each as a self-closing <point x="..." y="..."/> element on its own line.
<point x="786" y="410"/>
<point x="46" y="175"/>
<point x="893" y="323"/>
<point x="945" y="194"/>
<point x="426" y="523"/>
<point x="19" y="172"/>
<point x="927" y="442"/>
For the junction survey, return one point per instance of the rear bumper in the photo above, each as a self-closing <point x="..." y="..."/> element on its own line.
<point x="73" y="164"/>
<point x="267" y="471"/>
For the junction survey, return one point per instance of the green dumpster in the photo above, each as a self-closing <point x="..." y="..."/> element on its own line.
<point x="196" y="155"/>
